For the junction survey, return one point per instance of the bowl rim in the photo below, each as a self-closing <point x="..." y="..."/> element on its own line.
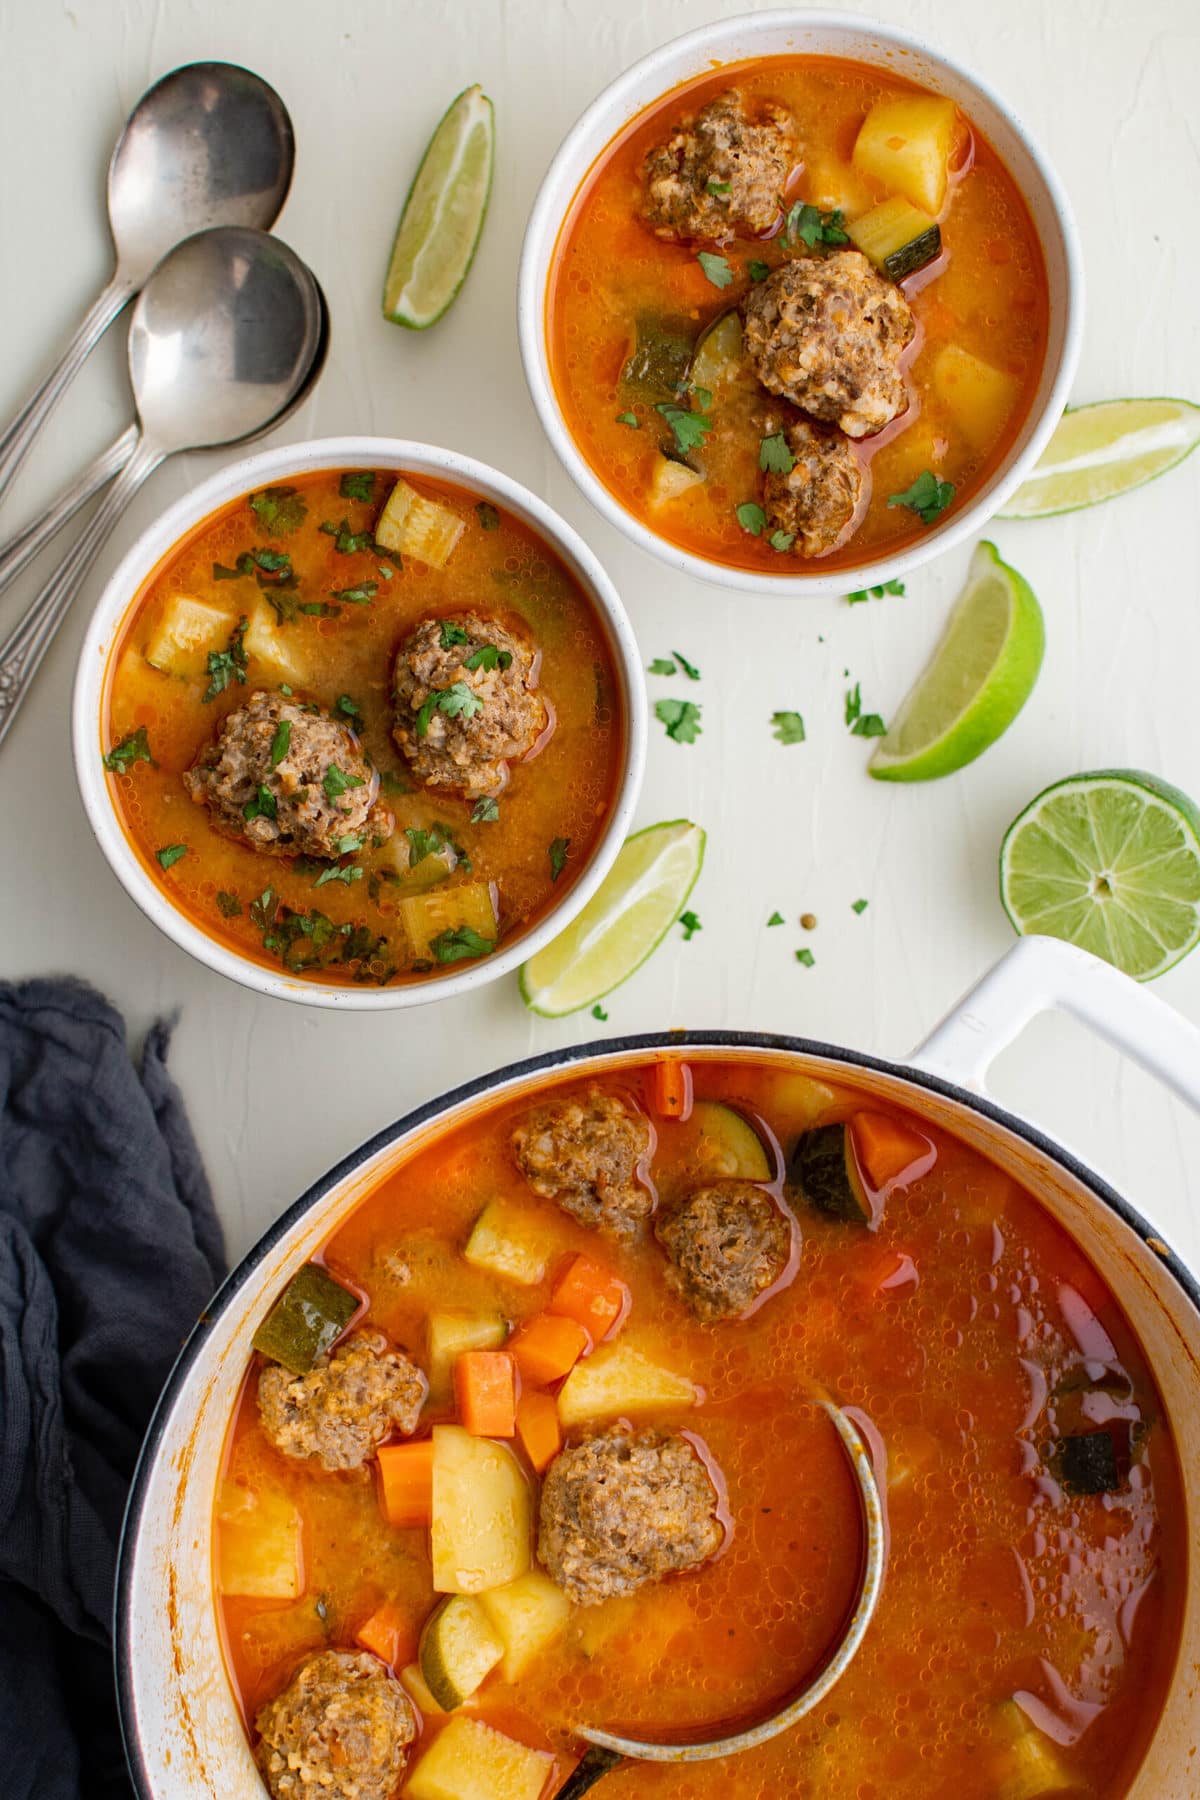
<point x="614" y="108"/>
<point x="162" y="535"/>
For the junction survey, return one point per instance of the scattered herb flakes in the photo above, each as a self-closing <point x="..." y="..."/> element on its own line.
<point x="228" y="905"/>
<point x="262" y="806"/>
<point x="348" y="843"/>
<point x="689" y="669"/>
<point x="451" y="634"/>
<point x="279" y="510"/>
<point x="630" y="419"/>
<point x="859" y="906"/>
<point x="487" y="515"/>
<point x="862" y="724"/>
<point x="702" y="396"/>
<point x="362" y="595"/>
<point x="927" y="497"/>
<point x="691" y="925"/>
<point x="875" y="593"/>
<point x="806" y="957"/>
<point x="787" y="727"/>
<point x="716" y="268"/>
<point x="386" y="571"/>
<point x="559" y="847"/>
<point x="487" y="656"/>
<point x="345" y="541"/>
<point x="458" y="701"/>
<point x="782" y="540"/>
<point x="133" y="748"/>
<point x="350" y="872"/>
<point x="228" y="664"/>
<point x="485" y="811"/>
<point x="281" y="743"/>
<point x="751" y="517"/>
<point x="357" y="484"/>
<point x="170" y="854"/>
<point x="454" y="946"/>
<point x="320" y="609"/>
<point x="758" y="271"/>
<point x="662" y="666"/>
<point x="349" y="709"/>
<point x="774" y="457"/>
<point x="690" y="428"/>
<point x="776" y="918"/>
<point x="337" y="783"/>
<point x="598" y="1012"/>
<point x="681" y="719"/>
<point x="719" y="188"/>
<point x="809" y="225"/>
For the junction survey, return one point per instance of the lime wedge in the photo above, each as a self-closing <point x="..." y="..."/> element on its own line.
<point x="1109" y="861"/>
<point x="626" y="918"/>
<point x="979" y="678"/>
<point x="443" y="216"/>
<point x="1098" y="452"/>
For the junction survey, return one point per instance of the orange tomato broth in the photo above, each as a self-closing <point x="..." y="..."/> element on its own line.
<point x="934" y="1327"/>
<point x="987" y="292"/>
<point x="564" y="789"/>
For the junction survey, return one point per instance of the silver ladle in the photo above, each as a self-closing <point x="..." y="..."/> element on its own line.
<point x="223" y="337"/>
<point x="607" y="1749"/>
<point x="210" y="144"/>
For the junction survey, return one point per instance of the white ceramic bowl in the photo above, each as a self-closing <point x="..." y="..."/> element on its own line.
<point x="159" y="539"/>
<point x="778" y="33"/>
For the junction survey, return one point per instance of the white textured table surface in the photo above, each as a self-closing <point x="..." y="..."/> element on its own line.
<point x="277" y="1092"/>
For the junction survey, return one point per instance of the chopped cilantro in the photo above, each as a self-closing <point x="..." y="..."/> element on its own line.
<point x="681" y="718"/>
<point x="262" y="806"/>
<point x="357" y="484"/>
<point x="228" y="905"/>
<point x="806" y="957"/>
<point x="809" y="225"/>
<point x="170" y="854"/>
<point x="862" y="724"/>
<point x="859" y="906"/>
<point x="280" y="510"/>
<point x="485" y="812"/>
<point x="272" y="562"/>
<point x="487" y="656"/>
<point x="347" y="845"/>
<point x="927" y="497"/>
<point x="876" y="593"/>
<point x="451" y="634"/>
<point x="690" y="428"/>
<point x="133" y="748"/>
<point x="348" y="708"/>
<point x="598" y="1012"/>
<point x="345" y="541"/>
<point x="662" y="666"/>
<point x="782" y="540"/>
<point x="751" y="517"/>
<point x="456" y="701"/>
<point x="774" y="456"/>
<point x="691" y="925"/>
<point x="337" y="783"/>
<point x="320" y="609"/>
<point x="702" y="396"/>
<point x="228" y="664"/>
<point x="630" y="419"/>
<point x="776" y="918"/>
<point x="351" y="872"/>
<point x="788" y="727"/>
<point x="719" y="188"/>
<point x="558" y="856"/>
<point x="362" y="595"/>
<point x="488" y="517"/>
<point x="453" y="946"/>
<point x="716" y="268"/>
<point x="689" y="669"/>
<point x="758" y="271"/>
<point x="431" y="842"/>
<point x="281" y="743"/>
<point x="386" y="570"/>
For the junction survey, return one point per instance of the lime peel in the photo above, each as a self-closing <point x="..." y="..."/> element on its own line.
<point x="443" y="215"/>
<point x="1101" y="451"/>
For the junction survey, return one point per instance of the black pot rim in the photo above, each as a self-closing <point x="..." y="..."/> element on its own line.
<point x="563" y="1058"/>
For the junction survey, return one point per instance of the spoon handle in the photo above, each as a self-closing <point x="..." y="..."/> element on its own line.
<point x="595" y="1763"/>
<point x="22" y="651"/>
<point x="18" y="437"/>
<point x="19" y="551"/>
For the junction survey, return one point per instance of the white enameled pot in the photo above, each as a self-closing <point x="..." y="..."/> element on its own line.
<point x="788" y="31"/>
<point x="182" y="1728"/>
<point x="279" y="464"/>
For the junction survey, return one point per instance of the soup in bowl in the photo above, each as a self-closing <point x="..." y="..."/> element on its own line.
<point x="799" y="301"/>
<point x="360" y="722"/>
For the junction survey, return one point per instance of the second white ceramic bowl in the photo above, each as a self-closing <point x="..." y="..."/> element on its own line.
<point x="793" y="32"/>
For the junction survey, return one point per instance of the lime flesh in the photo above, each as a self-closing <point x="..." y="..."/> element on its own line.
<point x="1111" y="862"/>
<point x="1098" y="452"/>
<point x="443" y="216"/>
<point x="979" y="678"/>
<point x="626" y="918"/>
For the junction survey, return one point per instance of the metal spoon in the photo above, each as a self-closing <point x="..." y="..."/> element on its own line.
<point x="607" y="1750"/>
<point x="222" y="339"/>
<point x="209" y="144"/>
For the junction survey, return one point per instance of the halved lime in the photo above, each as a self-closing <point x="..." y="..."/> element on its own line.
<point x="443" y="216"/>
<point x="979" y="677"/>
<point x="1109" y="861"/>
<point x="626" y="918"/>
<point x="1100" y="451"/>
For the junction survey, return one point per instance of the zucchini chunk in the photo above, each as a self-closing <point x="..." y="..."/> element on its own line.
<point x="458" y="1649"/>
<point x="412" y="525"/>
<point x="187" y="630"/>
<point x="897" y="237"/>
<point x="469" y="906"/>
<point x="527" y="1615"/>
<point x="482" y="1513"/>
<point x="907" y="145"/>
<point x="469" y="1760"/>
<point x="1029" y="1767"/>
<point x="450" y="1333"/>
<point x="418" y="877"/>
<point x="307" y="1319"/>
<point x="716" y="1142"/>
<point x="670" y="480"/>
<point x="510" y="1241"/>
<point x="657" y="365"/>
<point x="259" y="1535"/>
<point x="824" y="1168"/>
<point x="1088" y="1463"/>
<point x="719" y="353"/>
<point x="619" y="1379"/>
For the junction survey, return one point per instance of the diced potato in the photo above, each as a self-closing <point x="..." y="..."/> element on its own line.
<point x="274" y="651"/>
<point x="907" y="145"/>
<point x="469" y="1760"/>
<point x="670" y="480"/>
<point x="459" y="1648"/>
<point x="619" y="1379"/>
<point x="259" y="1539"/>
<point x="836" y="186"/>
<point x="187" y="630"/>
<point x="482" y="1513"/>
<point x="1030" y="1767"/>
<point x="800" y="1100"/>
<point x="512" y="1241"/>
<point x="978" y="397"/>
<point x="527" y="1615"/>
<point x="412" y="525"/>
<point x="450" y="1333"/>
<point x="469" y="906"/>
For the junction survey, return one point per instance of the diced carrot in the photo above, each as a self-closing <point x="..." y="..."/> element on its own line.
<point x="672" y="1089"/>
<point x="485" y="1389"/>
<point x="538" y="1428"/>
<point x="886" y="1147"/>
<point x="591" y="1295"/>
<point x="548" y="1347"/>
<point x="406" y="1480"/>
<point x="390" y="1634"/>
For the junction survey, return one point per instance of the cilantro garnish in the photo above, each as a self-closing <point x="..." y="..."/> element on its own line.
<point x="751" y="517"/>
<point x="451" y="634"/>
<point x="348" y="708"/>
<point x="927" y="497"/>
<point x="806" y="957"/>
<point x="280" y="510"/>
<point x="782" y="540"/>
<point x="337" y="782"/>
<point x="690" y="428"/>
<point x="170" y="854"/>
<point x="320" y="609"/>
<point x="689" y="669"/>
<point x="630" y="419"/>
<point x="431" y="842"/>
<point x="598" y="1012"/>
<point x="558" y="856"/>
<point x="788" y="727"/>
<point x="875" y="593"/>
<point x="661" y="666"/>
<point x="228" y="664"/>
<point x="228" y="905"/>
<point x="485" y="812"/>
<point x="362" y="595"/>
<point x="719" y="188"/>
<point x="681" y="718"/>
<point x="774" y="455"/>
<point x="357" y="484"/>
<point x="453" y="946"/>
<point x="776" y="918"/>
<point x="262" y="806"/>
<point x="488" y="517"/>
<point x="347" y="845"/>
<point x="862" y="724"/>
<point x="458" y="701"/>
<point x="811" y="226"/>
<point x="345" y="541"/>
<point x="716" y="268"/>
<point x="133" y="748"/>
<point x="691" y="925"/>
<point x="351" y="872"/>
<point x="758" y="271"/>
<point x="859" y="906"/>
<point x="281" y="743"/>
<point x="487" y="656"/>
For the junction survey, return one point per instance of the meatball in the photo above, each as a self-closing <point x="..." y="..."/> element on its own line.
<point x="466" y="702"/>
<point x="586" y="1155"/>
<point x="340" y="1730"/>
<point x="625" y="1508"/>
<point x="827" y="333"/>
<point x="287" y="780"/>
<point x="344" y="1408"/>
<point x="818" y="497"/>
<point x="720" y="172"/>
<point x="726" y="1243"/>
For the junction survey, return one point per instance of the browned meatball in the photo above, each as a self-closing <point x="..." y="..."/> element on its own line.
<point x="344" y="1408"/>
<point x="726" y="1244"/>
<point x="625" y="1508"/>
<point x="816" y="500"/>
<point x="586" y="1155"/>
<point x="288" y="781"/>
<point x="721" y="172"/>
<point x="827" y="334"/>
<point x="466" y="702"/>
<point x="340" y="1730"/>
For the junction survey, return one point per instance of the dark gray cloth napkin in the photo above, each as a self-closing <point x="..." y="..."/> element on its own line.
<point x="109" y="1250"/>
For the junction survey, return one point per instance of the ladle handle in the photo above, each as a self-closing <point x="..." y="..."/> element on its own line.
<point x="595" y="1762"/>
<point x="22" y="651"/>
<point x="17" y="439"/>
<point x="19" y="551"/>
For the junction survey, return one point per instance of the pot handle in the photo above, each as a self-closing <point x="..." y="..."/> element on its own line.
<point x="1042" y="974"/>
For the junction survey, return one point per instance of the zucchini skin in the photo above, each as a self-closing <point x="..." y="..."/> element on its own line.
<point x="824" y="1171"/>
<point x="914" y="255"/>
<point x="307" y="1319"/>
